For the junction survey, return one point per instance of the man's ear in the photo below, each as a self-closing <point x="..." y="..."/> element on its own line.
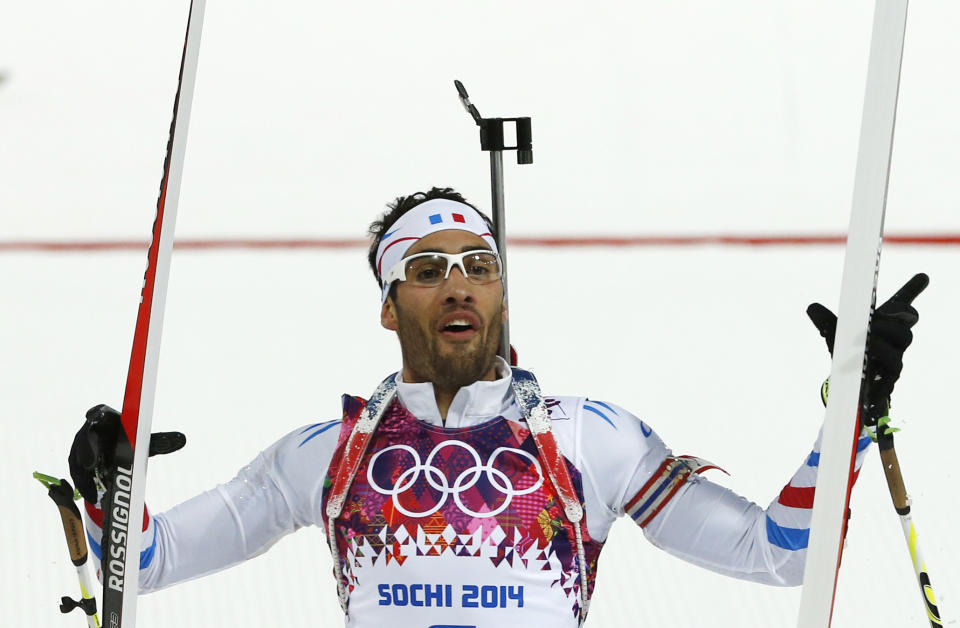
<point x="388" y="315"/>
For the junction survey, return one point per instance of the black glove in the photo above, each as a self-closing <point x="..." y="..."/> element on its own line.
<point x="888" y="338"/>
<point x="95" y="445"/>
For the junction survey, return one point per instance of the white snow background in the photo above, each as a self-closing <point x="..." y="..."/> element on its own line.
<point x="686" y="117"/>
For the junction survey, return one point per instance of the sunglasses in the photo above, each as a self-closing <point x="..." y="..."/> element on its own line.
<point x="431" y="269"/>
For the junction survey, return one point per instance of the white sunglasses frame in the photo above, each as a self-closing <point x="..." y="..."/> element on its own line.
<point x="397" y="272"/>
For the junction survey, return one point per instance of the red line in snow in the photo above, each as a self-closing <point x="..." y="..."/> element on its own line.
<point x="935" y="239"/>
<point x="189" y="244"/>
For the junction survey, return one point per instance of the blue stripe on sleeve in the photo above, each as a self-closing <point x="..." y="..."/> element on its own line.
<point x="146" y="556"/>
<point x="787" y="538"/>
<point x="863" y="443"/>
<point x="94" y="546"/>
<point x="664" y="483"/>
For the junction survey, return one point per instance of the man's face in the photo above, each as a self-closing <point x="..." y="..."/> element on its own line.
<point x="434" y="349"/>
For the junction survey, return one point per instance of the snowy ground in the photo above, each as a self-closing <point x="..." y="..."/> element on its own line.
<point x="686" y="117"/>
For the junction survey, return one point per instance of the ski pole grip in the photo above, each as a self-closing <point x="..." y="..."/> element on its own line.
<point x="62" y="496"/>
<point x="73" y="531"/>
<point x="891" y="469"/>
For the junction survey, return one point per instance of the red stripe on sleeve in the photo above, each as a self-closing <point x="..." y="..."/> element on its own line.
<point x="797" y="497"/>
<point x="802" y="497"/>
<point x="95" y="514"/>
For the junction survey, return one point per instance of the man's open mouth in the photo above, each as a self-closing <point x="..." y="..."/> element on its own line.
<point x="461" y="324"/>
<point x="458" y="325"/>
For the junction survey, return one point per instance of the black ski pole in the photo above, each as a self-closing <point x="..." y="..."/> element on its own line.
<point x="491" y="140"/>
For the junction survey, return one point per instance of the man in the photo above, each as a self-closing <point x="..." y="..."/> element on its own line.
<point x="458" y="495"/>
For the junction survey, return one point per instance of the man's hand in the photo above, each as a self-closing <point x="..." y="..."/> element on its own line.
<point x="889" y="337"/>
<point x="95" y="446"/>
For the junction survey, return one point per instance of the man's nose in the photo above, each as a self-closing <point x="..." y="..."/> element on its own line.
<point x="457" y="287"/>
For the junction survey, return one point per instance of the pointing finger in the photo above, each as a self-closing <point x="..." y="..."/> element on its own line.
<point x="911" y="289"/>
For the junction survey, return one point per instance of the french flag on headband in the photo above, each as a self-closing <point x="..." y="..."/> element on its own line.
<point x="436" y="219"/>
<point x="429" y="217"/>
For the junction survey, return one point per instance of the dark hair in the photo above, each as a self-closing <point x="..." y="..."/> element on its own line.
<point x="400" y="206"/>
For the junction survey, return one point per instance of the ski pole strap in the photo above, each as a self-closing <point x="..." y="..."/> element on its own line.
<point x="527" y="392"/>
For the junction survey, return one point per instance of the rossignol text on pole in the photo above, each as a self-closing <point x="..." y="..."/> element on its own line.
<point x="492" y="141"/>
<point x="125" y="482"/>
<point x="857" y="300"/>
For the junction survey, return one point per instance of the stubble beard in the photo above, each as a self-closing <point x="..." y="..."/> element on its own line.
<point x="458" y="365"/>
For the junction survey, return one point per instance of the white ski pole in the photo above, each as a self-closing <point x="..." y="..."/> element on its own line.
<point x="65" y="498"/>
<point x="898" y="493"/>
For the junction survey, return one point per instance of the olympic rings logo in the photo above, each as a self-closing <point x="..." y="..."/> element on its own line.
<point x="466" y="480"/>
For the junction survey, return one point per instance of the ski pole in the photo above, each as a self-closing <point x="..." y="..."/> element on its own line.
<point x="491" y="140"/>
<point x="898" y="493"/>
<point x="64" y="497"/>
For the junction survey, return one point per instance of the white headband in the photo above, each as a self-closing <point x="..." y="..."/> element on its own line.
<point x="435" y="215"/>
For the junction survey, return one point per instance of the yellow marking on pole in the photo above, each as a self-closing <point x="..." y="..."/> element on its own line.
<point x="912" y="542"/>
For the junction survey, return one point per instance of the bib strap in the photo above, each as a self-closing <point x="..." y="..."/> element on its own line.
<point x="528" y="395"/>
<point x="353" y="452"/>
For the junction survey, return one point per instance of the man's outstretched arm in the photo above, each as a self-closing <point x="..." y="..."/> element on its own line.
<point x="713" y="527"/>
<point x="269" y="498"/>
